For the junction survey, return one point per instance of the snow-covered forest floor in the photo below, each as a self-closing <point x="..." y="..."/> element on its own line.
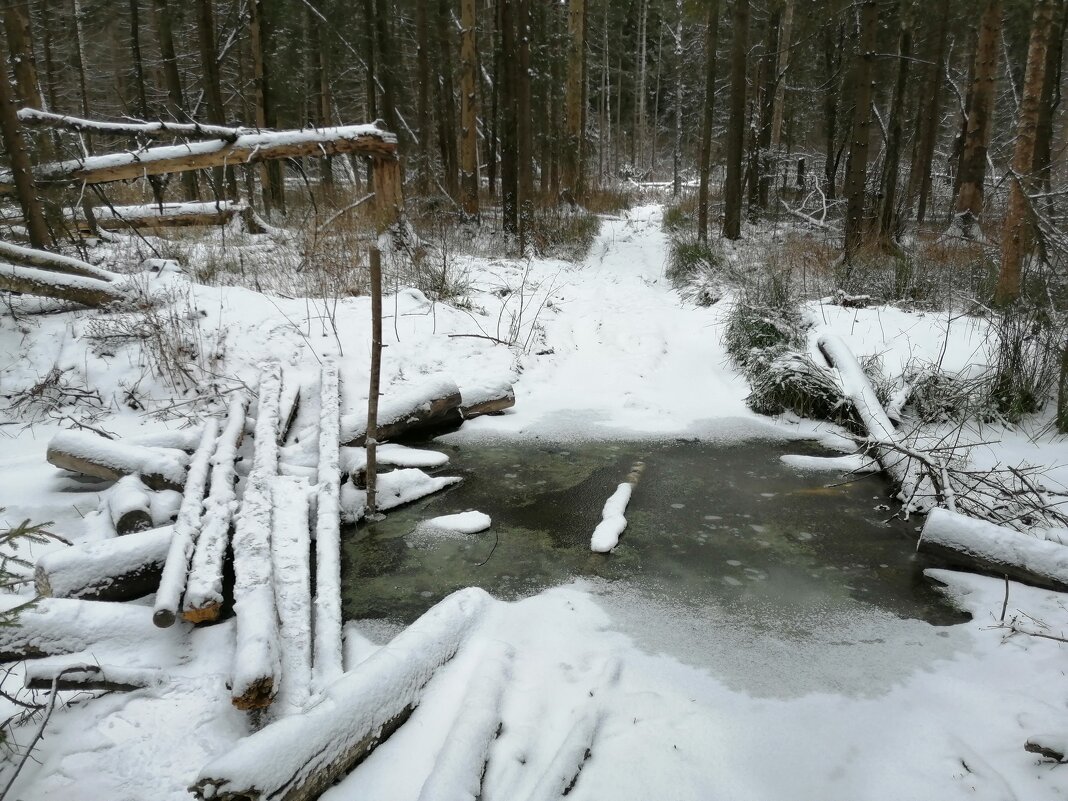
<point x="877" y="708"/>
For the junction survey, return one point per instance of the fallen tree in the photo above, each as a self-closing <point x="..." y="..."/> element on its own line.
<point x="328" y="639"/>
<point x="994" y="550"/>
<point x="490" y="399"/>
<point x="291" y="563"/>
<point x="62" y="286"/>
<point x="156" y="129"/>
<point x="117" y="569"/>
<point x="310" y="751"/>
<point x="73" y="676"/>
<point x="428" y="406"/>
<point x="129" y="505"/>
<point x="53" y="262"/>
<point x="248" y="148"/>
<point x="100" y="457"/>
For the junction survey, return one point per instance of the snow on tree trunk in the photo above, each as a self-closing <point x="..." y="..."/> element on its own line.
<point x="427" y="405"/>
<point x="53" y="262"/>
<point x="117" y="569"/>
<point x="92" y="455"/>
<point x="298" y="757"/>
<point x="186" y="530"/>
<point x="328" y="649"/>
<point x="204" y="585"/>
<point x="257" y="665"/>
<point x="291" y="562"/>
<point x="997" y="550"/>
<point x="30" y="281"/>
<point x="129" y="505"/>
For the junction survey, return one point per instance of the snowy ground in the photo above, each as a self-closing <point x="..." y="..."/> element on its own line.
<point x="674" y="704"/>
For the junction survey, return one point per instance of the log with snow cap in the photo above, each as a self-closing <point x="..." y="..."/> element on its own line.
<point x="93" y="455"/>
<point x="298" y="757"/>
<point x="62" y="286"/>
<point x="129" y="505"/>
<point x="116" y="569"/>
<point x="328" y="641"/>
<point x="989" y="548"/>
<point x="431" y="404"/>
<point x="914" y="489"/>
<point x="74" y="676"/>
<point x="204" y="585"/>
<point x="186" y="530"/>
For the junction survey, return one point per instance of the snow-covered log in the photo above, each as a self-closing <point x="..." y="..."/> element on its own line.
<point x="291" y="557"/>
<point x="461" y="763"/>
<point x="204" y="584"/>
<point x="328" y="648"/>
<point x="914" y="489"/>
<point x="251" y="148"/>
<point x="74" y="676"/>
<point x="62" y="286"/>
<point x="489" y="399"/>
<point x="52" y="262"/>
<point x="93" y="455"/>
<point x="297" y="757"/>
<point x="170" y="215"/>
<point x="117" y="569"/>
<point x="613" y="521"/>
<point x="186" y="530"/>
<point x="431" y="405"/>
<point x="288" y="404"/>
<point x="130" y="505"/>
<point x="257" y="660"/>
<point x="55" y="626"/>
<point x="156" y="129"/>
<point x="988" y="548"/>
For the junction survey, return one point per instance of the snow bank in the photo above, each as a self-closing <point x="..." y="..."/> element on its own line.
<point x="309" y="750"/>
<point x="606" y="535"/>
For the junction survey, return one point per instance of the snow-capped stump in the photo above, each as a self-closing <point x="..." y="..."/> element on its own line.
<point x="988" y="548"/>
<point x="490" y="398"/>
<point x="291" y="557"/>
<point x="186" y="530"/>
<point x="93" y="455"/>
<point x="328" y="639"/>
<point x="461" y="764"/>
<point x="90" y="676"/>
<point x="117" y="569"/>
<point x="129" y="505"/>
<point x="204" y="584"/>
<point x="55" y="626"/>
<point x="297" y="757"/>
<point x="425" y="407"/>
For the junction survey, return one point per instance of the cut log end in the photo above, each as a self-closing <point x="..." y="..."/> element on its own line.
<point x="489" y="406"/>
<point x="163" y="618"/>
<point x="202" y="614"/>
<point x="258" y="695"/>
<point x="133" y="521"/>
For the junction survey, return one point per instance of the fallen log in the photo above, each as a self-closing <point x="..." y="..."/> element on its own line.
<point x="156" y="129"/>
<point x="62" y="286"/>
<point x="129" y="505"/>
<point x="204" y="585"/>
<point x="186" y="530"/>
<point x="118" y="569"/>
<point x="251" y="148"/>
<point x="171" y="215"/>
<point x="257" y="661"/>
<point x="52" y="262"/>
<point x="994" y="550"/>
<point x="328" y="639"/>
<point x="291" y="562"/>
<point x="73" y="676"/>
<point x="417" y="410"/>
<point x="914" y="489"/>
<point x="92" y="455"/>
<point x="492" y="399"/>
<point x="310" y="751"/>
<point x="54" y="626"/>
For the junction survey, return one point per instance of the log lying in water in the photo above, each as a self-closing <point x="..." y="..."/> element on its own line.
<point x="118" y="569"/>
<point x="308" y="752"/>
<point x="994" y="550"/>
<point x="491" y="399"/>
<point x="100" y="457"/>
<point x="426" y="407"/>
<point x="54" y="626"/>
<point x="130" y="505"/>
<point x="90" y="676"/>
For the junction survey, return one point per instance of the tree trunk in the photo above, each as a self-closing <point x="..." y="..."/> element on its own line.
<point x="705" y="158"/>
<point x="468" y="111"/>
<point x="20" y="46"/>
<point x="761" y="157"/>
<point x="115" y="569"/>
<point x="574" y="145"/>
<point x="972" y="174"/>
<point x="1051" y="100"/>
<point x="732" y="190"/>
<point x="1016" y="236"/>
<point x="446" y="103"/>
<point x="779" y="105"/>
<point x="676" y="153"/>
<point x="931" y="101"/>
<point x="387" y="63"/>
<point x="271" y="186"/>
<point x="860" y="139"/>
<point x="833" y="36"/>
<point x="887" y="220"/>
<point x="509" y="121"/>
<point x="422" y="114"/>
<point x="173" y="80"/>
<point x="21" y="169"/>
<point x="209" y="68"/>
<point x="524" y="143"/>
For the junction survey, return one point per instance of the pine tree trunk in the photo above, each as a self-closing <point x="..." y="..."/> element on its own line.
<point x="833" y="36"/>
<point x="422" y="112"/>
<point x="387" y="71"/>
<point x="927" y="134"/>
<point x="1051" y="100"/>
<point x="20" y="45"/>
<point x="524" y="142"/>
<point x="446" y="102"/>
<point x="469" y="111"/>
<point x="676" y="155"/>
<point x="887" y="219"/>
<point x="173" y="80"/>
<point x="732" y="189"/>
<point x="509" y="121"/>
<point x="272" y="188"/>
<point x="761" y="159"/>
<point x="19" y="156"/>
<point x="860" y="138"/>
<point x="1015" y="234"/>
<point x="705" y="157"/>
<point x="779" y="106"/>
<point x="574" y="146"/>
<point x="209" y="69"/>
<point x="972" y="174"/>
